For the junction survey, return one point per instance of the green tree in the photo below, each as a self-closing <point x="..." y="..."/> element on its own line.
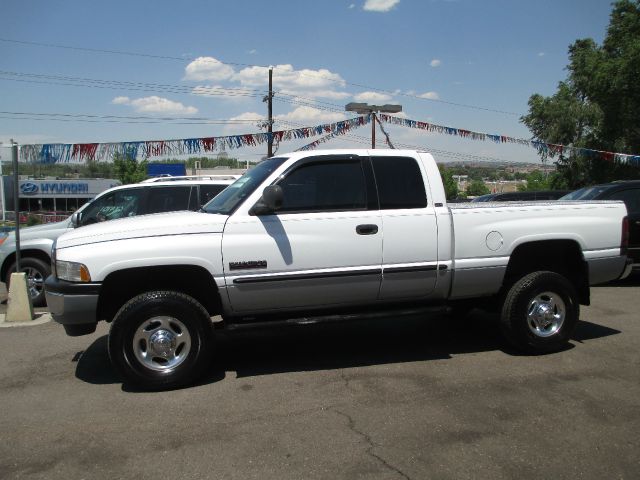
<point x="536" y="180"/>
<point x="477" y="188"/>
<point x="128" y="170"/>
<point x="597" y="106"/>
<point x="450" y="185"/>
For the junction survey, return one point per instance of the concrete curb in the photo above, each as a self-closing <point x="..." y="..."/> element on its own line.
<point x="40" y="319"/>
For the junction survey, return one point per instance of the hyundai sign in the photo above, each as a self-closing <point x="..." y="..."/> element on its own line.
<point x="28" y="188"/>
<point x="64" y="188"/>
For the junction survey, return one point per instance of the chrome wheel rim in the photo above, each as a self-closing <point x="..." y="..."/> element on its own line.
<point x="161" y="343"/>
<point x="546" y="314"/>
<point x="35" y="281"/>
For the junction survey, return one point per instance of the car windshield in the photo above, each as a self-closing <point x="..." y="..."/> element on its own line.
<point x="586" y="193"/>
<point x="228" y="200"/>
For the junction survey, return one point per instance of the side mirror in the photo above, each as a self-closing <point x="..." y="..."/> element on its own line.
<point x="75" y="219"/>
<point x="271" y="200"/>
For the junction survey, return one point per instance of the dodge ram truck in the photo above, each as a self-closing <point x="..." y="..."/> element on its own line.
<point x="313" y="234"/>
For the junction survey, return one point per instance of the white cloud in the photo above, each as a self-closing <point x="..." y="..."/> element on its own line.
<point x="253" y="51"/>
<point x="309" y="116"/>
<point x="430" y="95"/>
<point x="541" y="54"/>
<point x="379" y="5"/>
<point x="121" y="100"/>
<point x="306" y="82"/>
<point x="155" y="104"/>
<point x="373" y="97"/>
<point x="207" y="68"/>
<point x="435" y="62"/>
<point x="352" y="6"/>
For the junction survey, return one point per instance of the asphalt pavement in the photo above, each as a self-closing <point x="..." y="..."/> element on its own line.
<point x="406" y="398"/>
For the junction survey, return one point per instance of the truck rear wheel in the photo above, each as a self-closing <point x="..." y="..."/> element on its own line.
<point x="161" y="340"/>
<point x="540" y="312"/>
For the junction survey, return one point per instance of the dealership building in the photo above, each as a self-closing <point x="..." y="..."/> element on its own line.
<point x="53" y="194"/>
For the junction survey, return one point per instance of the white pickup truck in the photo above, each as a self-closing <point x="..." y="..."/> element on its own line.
<point x="324" y="233"/>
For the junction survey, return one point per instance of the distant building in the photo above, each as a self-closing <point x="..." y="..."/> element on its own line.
<point x="53" y="194"/>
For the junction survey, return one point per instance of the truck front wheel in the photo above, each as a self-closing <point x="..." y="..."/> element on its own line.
<point x="161" y="340"/>
<point x="540" y="312"/>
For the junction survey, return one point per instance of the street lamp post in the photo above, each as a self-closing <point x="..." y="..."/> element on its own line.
<point x="365" y="109"/>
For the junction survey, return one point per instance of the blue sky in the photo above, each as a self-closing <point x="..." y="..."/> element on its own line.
<point x="206" y="60"/>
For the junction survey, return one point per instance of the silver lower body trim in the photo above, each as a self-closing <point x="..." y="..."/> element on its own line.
<point x="603" y="270"/>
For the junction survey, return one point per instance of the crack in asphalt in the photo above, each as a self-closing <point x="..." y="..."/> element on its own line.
<point x="347" y="382"/>
<point x="352" y="426"/>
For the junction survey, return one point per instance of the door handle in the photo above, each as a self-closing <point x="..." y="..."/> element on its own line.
<point x="368" y="229"/>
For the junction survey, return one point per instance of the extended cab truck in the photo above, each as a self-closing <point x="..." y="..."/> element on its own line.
<point x="163" y="194"/>
<point x="328" y="232"/>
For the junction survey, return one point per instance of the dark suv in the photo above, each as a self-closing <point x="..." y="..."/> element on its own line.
<point x="627" y="191"/>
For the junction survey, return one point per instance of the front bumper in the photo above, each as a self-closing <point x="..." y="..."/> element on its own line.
<point x="73" y="305"/>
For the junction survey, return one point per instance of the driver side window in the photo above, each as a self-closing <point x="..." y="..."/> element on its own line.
<point x="324" y="187"/>
<point x="118" y="204"/>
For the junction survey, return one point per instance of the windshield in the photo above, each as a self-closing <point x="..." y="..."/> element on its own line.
<point x="586" y="193"/>
<point x="228" y="200"/>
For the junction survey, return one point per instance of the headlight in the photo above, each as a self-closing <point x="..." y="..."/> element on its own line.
<point x="72" y="271"/>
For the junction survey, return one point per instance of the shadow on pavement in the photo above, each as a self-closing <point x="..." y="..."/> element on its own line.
<point x="94" y="365"/>
<point x="591" y="331"/>
<point x="356" y="343"/>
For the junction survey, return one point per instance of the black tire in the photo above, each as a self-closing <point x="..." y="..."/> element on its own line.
<point x="37" y="272"/>
<point x="540" y="313"/>
<point x="161" y="340"/>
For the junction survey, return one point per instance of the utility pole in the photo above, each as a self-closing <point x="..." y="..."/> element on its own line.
<point x="4" y="203"/>
<point x="16" y="200"/>
<point x="270" y="119"/>
<point x="373" y="130"/>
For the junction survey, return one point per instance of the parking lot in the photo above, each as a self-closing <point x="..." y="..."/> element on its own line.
<point x="413" y="398"/>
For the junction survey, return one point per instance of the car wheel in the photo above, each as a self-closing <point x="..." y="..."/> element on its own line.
<point x="161" y="340"/>
<point x="36" y="272"/>
<point x="540" y="312"/>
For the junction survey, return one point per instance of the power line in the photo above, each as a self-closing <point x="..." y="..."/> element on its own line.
<point x="124" y="85"/>
<point x="114" y="52"/>
<point x="80" y="117"/>
<point x="315" y="75"/>
<point x="165" y="88"/>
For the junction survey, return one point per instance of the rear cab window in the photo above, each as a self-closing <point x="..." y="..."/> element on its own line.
<point x="400" y="183"/>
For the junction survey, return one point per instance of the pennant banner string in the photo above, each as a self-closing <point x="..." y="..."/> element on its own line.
<point x="548" y="148"/>
<point x="104" y="152"/>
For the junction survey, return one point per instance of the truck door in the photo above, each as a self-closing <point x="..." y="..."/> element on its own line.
<point x="322" y="248"/>
<point x="409" y="258"/>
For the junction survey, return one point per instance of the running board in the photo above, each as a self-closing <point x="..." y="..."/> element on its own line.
<point x="321" y="319"/>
